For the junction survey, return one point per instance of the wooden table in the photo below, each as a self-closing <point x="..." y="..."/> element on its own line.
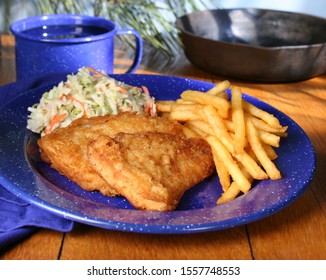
<point x="297" y="232"/>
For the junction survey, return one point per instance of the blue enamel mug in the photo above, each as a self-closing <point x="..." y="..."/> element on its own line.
<point x="63" y="43"/>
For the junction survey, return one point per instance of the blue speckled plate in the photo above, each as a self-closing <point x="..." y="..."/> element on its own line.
<point x="26" y="175"/>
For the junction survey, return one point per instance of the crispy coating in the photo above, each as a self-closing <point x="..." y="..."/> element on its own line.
<point x="151" y="169"/>
<point x="66" y="148"/>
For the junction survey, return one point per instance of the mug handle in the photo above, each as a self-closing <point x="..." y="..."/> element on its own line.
<point x="139" y="47"/>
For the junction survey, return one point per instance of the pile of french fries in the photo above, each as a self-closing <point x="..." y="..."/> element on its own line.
<point x="242" y="137"/>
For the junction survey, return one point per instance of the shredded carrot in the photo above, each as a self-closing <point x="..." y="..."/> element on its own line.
<point x="145" y="90"/>
<point x="74" y="99"/>
<point x="55" y="119"/>
<point x="122" y="90"/>
<point x="149" y="107"/>
<point x="96" y="73"/>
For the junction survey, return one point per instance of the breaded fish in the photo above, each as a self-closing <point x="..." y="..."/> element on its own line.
<point x="151" y="169"/>
<point x="66" y="148"/>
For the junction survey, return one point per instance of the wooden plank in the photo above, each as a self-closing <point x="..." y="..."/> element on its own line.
<point x="95" y="243"/>
<point x="45" y="244"/>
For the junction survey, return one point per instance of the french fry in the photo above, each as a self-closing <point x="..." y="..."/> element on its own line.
<point x="164" y="105"/>
<point x="202" y="125"/>
<point x="229" y="125"/>
<point x="232" y="167"/>
<point x="222" y="172"/>
<point x="261" y="114"/>
<point x="261" y="125"/>
<point x="186" y="107"/>
<point x="189" y="132"/>
<point x="260" y="152"/>
<point x="251" y="166"/>
<point x="219" y="103"/>
<point x="238" y="121"/>
<point x="219" y="88"/>
<point x="181" y="101"/>
<point x="182" y="116"/>
<point x="270" y="151"/>
<point x="195" y="129"/>
<point x="220" y="131"/>
<point x="269" y="138"/>
<point x="233" y="191"/>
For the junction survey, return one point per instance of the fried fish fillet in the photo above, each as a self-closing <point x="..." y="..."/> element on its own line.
<point x="151" y="169"/>
<point x="66" y="148"/>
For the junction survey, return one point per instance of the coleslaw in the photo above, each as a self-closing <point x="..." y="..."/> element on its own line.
<point x="88" y="93"/>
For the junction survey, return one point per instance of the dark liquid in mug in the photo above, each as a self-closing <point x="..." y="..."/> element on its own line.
<point x="65" y="31"/>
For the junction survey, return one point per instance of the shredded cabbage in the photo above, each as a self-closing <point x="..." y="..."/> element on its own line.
<point x="88" y="93"/>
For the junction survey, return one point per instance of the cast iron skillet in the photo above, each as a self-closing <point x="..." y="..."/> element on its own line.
<point x="255" y="44"/>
